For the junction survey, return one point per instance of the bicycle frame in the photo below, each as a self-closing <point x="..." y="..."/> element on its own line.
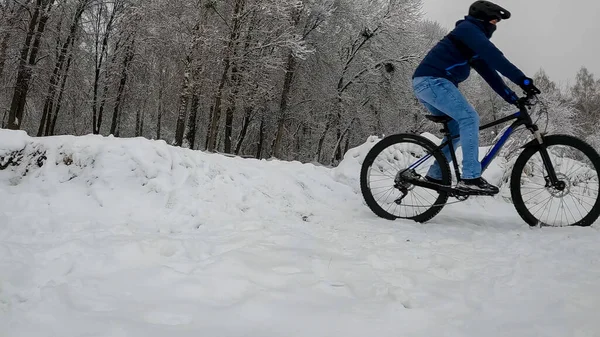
<point x="520" y="118"/>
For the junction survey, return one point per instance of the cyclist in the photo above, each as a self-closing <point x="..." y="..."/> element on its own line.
<point x="436" y="80"/>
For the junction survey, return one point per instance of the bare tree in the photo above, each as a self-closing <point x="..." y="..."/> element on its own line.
<point x="129" y="55"/>
<point x="103" y="17"/>
<point x="306" y="18"/>
<point x="28" y="60"/>
<point x="10" y="14"/>
<point x="52" y="103"/>
<point x="229" y="52"/>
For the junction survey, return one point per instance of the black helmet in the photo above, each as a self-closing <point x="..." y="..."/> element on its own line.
<point x="487" y="11"/>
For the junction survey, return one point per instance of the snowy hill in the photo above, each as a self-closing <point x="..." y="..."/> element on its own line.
<point x="129" y="237"/>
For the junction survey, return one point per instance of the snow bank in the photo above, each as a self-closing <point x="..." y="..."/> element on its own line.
<point x="151" y="185"/>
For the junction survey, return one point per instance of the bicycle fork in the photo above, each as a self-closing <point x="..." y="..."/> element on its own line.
<point x="552" y="178"/>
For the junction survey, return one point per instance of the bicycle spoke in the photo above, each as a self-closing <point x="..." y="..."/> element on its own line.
<point x="413" y="204"/>
<point x="379" y="180"/>
<point x="392" y="176"/>
<point x="541" y="203"/>
<point x="556" y="217"/>
<point x="574" y="218"/>
<point x="582" y="201"/>
<point x="386" y="191"/>
<point x="419" y="200"/>
<point x="535" y="196"/>
<point x="390" y="205"/>
<point x="533" y="191"/>
<point x="423" y="198"/>
<point x="576" y="206"/>
<point x="546" y="207"/>
<point x="378" y="188"/>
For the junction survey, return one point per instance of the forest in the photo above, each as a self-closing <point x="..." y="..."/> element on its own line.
<point x="298" y="80"/>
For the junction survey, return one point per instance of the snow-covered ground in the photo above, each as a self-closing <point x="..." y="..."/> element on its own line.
<point x="130" y="237"/>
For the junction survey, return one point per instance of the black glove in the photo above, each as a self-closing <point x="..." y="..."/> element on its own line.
<point x="527" y="85"/>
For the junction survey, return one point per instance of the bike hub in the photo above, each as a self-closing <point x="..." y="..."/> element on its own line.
<point x="403" y="178"/>
<point x="562" y="188"/>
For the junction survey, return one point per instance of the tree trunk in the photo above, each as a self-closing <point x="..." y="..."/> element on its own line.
<point x="159" y="111"/>
<point x="3" y="49"/>
<point x="261" y="138"/>
<point x="301" y="137"/>
<point x="104" y="97"/>
<point x="28" y="59"/>
<point x="97" y="111"/>
<point x="48" y="105"/>
<point x="347" y="146"/>
<point x="216" y="114"/>
<point x="138" y="122"/>
<point x="228" y="127"/>
<point x="336" y="156"/>
<point x="142" y="123"/>
<point x="58" y="71"/>
<point x="338" y="150"/>
<point x="235" y="79"/>
<point x="210" y="118"/>
<point x="114" y="128"/>
<point x="338" y="117"/>
<point x="140" y="114"/>
<point x="184" y="98"/>
<point x="192" y="124"/>
<point x="244" y="130"/>
<point x="60" y="97"/>
<point x="199" y="117"/>
<point x="287" y="85"/>
<point x="322" y="140"/>
<point x="290" y="70"/>
<point x="233" y="37"/>
<point x="190" y="135"/>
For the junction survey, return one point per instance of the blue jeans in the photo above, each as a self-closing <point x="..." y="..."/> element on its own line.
<point x="442" y="97"/>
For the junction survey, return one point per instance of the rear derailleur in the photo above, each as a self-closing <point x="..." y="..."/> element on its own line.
<point x="402" y="183"/>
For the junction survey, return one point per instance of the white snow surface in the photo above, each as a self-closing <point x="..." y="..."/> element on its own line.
<point x="131" y="237"/>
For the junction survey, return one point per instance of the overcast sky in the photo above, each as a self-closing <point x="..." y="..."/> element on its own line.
<point x="557" y="35"/>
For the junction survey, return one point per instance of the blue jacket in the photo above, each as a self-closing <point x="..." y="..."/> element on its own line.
<point x="469" y="45"/>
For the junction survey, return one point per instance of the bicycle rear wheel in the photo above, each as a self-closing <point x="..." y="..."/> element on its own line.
<point x="381" y="173"/>
<point x="577" y="165"/>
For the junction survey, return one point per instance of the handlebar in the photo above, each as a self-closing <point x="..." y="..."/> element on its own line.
<point x="526" y="101"/>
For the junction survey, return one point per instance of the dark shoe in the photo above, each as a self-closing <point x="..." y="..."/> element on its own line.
<point x="477" y="186"/>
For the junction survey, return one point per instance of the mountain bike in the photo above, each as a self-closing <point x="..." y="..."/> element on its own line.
<point x="554" y="180"/>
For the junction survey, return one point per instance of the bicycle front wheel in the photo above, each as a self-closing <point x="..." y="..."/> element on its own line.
<point x="576" y="202"/>
<point x="381" y="175"/>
